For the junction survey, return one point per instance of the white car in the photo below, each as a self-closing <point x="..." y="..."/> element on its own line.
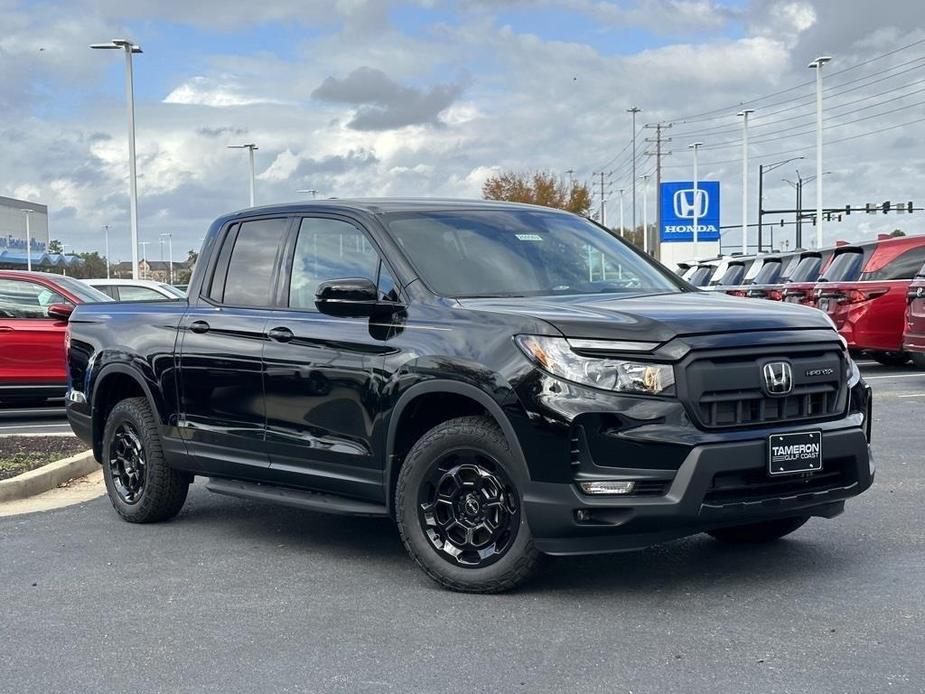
<point x="136" y="290"/>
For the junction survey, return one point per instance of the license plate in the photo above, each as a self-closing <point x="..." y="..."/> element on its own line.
<point x="792" y="453"/>
<point x="824" y="305"/>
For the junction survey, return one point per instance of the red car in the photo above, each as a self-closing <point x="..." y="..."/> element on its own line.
<point x="914" y="335"/>
<point x="34" y="308"/>
<point x="800" y="288"/>
<point x="864" y="291"/>
<point x="800" y="267"/>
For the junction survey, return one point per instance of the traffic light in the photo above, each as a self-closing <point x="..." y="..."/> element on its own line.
<point x="885" y="207"/>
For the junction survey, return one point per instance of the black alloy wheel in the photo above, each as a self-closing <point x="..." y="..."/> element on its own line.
<point x="468" y="508"/>
<point x="127" y="463"/>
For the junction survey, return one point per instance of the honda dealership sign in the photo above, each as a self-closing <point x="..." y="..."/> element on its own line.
<point x="680" y="204"/>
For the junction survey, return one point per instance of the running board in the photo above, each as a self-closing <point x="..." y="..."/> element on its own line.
<point x="313" y="501"/>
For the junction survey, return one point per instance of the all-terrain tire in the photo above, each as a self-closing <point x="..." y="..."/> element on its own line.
<point x="164" y="489"/>
<point x="757" y="533"/>
<point x="482" y="435"/>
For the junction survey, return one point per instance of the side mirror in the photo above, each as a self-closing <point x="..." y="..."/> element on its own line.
<point x="351" y="296"/>
<point x="60" y="312"/>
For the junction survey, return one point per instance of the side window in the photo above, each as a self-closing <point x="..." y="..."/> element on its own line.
<point x="249" y="279"/>
<point x="19" y="299"/>
<point x="130" y="293"/>
<point x="329" y="249"/>
<point x="902" y="267"/>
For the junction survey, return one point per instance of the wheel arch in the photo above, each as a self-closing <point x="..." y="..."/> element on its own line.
<point x="459" y="392"/>
<point x="114" y="383"/>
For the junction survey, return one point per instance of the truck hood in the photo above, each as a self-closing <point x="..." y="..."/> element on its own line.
<point x="655" y="318"/>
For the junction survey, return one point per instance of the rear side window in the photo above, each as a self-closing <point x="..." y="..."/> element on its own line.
<point x="845" y="268"/>
<point x="902" y="267"/>
<point x="790" y="265"/>
<point x="807" y="270"/>
<point x="251" y="268"/>
<point x="921" y="272"/>
<point x="701" y="276"/>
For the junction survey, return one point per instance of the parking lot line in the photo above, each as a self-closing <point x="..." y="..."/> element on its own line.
<point x="871" y="378"/>
<point x="912" y="395"/>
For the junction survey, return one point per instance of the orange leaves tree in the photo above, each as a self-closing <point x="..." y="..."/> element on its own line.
<point x="539" y="188"/>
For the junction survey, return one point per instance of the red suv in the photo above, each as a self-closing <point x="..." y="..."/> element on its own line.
<point x="799" y="267"/>
<point x="34" y="308"/>
<point x="914" y="335"/>
<point x="864" y="291"/>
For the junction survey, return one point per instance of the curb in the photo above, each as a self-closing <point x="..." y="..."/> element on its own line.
<point x="47" y="477"/>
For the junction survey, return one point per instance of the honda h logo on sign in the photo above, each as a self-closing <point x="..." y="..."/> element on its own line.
<point x="778" y="378"/>
<point x="680" y="203"/>
<point x="689" y="203"/>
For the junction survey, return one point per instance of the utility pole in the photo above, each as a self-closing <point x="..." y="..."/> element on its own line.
<point x="603" y="195"/>
<point x="659" y="139"/>
<point x="744" y="113"/>
<point x="817" y="66"/>
<point x="634" y="110"/>
<point x="106" y="229"/>
<point x="645" y="213"/>
<point x="694" y="147"/>
<point x="622" y="227"/>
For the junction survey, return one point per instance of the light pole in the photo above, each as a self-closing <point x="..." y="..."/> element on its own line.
<point x="28" y="214"/>
<point x="762" y="170"/>
<point x="744" y="113"/>
<point x="622" y="227"/>
<point x="250" y="147"/>
<point x="144" y="254"/>
<point x="817" y="66"/>
<point x="308" y="190"/>
<point x="798" y="186"/>
<point x="129" y="48"/>
<point x="169" y="255"/>
<point x="645" y="213"/>
<point x="694" y="146"/>
<point x="106" y="229"/>
<point x="634" y="110"/>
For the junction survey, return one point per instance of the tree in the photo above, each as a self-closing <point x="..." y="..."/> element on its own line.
<point x="539" y="188"/>
<point x="897" y="232"/>
<point x="92" y="267"/>
<point x="54" y="246"/>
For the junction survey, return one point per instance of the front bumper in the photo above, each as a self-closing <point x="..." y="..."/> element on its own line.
<point x="703" y="494"/>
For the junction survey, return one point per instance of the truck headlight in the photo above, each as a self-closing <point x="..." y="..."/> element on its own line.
<point x="555" y="355"/>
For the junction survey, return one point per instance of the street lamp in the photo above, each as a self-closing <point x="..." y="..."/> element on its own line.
<point x="169" y="255"/>
<point x="622" y="227"/>
<point x="694" y="146"/>
<point x="144" y="254"/>
<point x="762" y="170"/>
<point x="744" y="113"/>
<point x="28" y="214"/>
<point x="106" y="228"/>
<point x="250" y="148"/>
<point x="129" y="48"/>
<point x="817" y="66"/>
<point x="308" y="190"/>
<point x="798" y="186"/>
<point x="634" y="110"/>
<point x="645" y="212"/>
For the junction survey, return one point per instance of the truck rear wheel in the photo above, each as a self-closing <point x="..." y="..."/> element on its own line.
<point x="141" y="486"/>
<point x="459" y="510"/>
<point x="756" y="533"/>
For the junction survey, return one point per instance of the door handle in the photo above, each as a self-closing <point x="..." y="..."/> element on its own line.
<point x="199" y="327"/>
<point x="280" y="334"/>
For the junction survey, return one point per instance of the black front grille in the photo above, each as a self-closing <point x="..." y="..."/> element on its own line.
<point x="729" y="391"/>
<point x="756" y="484"/>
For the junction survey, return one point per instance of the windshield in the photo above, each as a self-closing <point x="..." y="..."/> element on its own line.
<point x="845" y="268"/>
<point x="769" y="272"/>
<point x="84" y="292"/>
<point x="522" y="252"/>
<point x="807" y="270"/>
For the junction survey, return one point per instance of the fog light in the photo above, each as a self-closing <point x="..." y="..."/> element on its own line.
<point x="606" y="487"/>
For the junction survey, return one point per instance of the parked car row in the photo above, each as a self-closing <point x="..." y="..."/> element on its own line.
<point x="872" y="291"/>
<point x="34" y="309"/>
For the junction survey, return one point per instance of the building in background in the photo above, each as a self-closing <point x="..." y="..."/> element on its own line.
<point x="13" y="238"/>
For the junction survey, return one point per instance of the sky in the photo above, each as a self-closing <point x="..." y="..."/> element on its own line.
<point x="429" y="98"/>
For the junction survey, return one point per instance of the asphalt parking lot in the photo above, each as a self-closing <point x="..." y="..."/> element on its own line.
<point x="233" y="596"/>
<point x="49" y="419"/>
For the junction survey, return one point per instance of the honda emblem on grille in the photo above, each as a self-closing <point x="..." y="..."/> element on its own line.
<point x="778" y="377"/>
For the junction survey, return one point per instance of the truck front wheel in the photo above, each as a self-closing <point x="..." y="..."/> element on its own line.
<point x="141" y="486"/>
<point x="756" y="533"/>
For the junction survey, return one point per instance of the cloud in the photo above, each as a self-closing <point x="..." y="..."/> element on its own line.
<point x="218" y="93"/>
<point x="384" y="104"/>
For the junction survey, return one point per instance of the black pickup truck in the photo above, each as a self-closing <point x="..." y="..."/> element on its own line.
<point x="503" y="381"/>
